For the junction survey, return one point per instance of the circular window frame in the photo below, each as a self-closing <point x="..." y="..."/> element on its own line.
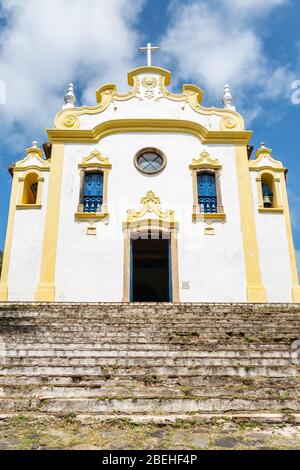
<point x="150" y="150"/>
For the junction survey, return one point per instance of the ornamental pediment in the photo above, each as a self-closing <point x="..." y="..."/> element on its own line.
<point x="95" y="159"/>
<point x="34" y="159"/>
<point x="150" y="213"/>
<point x="149" y="98"/>
<point x="264" y="160"/>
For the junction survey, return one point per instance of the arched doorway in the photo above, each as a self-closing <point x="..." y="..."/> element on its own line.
<point x="150" y="269"/>
<point x="150" y="253"/>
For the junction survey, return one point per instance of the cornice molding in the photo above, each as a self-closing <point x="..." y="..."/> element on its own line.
<point x="117" y="126"/>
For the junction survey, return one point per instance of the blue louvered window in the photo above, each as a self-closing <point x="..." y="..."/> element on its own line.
<point x="207" y="192"/>
<point x="93" y="192"/>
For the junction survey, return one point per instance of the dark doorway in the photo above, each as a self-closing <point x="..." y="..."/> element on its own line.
<point x="150" y="270"/>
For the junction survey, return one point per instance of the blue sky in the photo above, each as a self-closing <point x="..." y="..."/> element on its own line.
<point x="252" y="44"/>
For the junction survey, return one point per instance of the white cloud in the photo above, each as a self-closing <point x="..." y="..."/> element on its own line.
<point x="253" y="6"/>
<point x="214" y="43"/>
<point x="46" y="44"/>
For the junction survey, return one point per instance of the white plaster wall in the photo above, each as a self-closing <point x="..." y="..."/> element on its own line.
<point x="26" y="251"/>
<point x="90" y="268"/>
<point x="273" y="251"/>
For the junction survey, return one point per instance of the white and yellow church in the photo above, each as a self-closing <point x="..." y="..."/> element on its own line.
<point x="149" y="196"/>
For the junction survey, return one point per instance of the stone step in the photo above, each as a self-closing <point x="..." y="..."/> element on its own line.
<point x="153" y="319"/>
<point x="133" y="318"/>
<point x="115" y="390"/>
<point x="141" y="307"/>
<point x="248" y="371"/>
<point x="147" y="344"/>
<point x="158" y="359"/>
<point x="177" y="344"/>
<point x="145" y="405"/>
<point x="235" y="334"/>
<point x="144" y="361"/>
<point x="150" y="320"/>
<point x="146" y="379"/>
<point x="14" y="353"/>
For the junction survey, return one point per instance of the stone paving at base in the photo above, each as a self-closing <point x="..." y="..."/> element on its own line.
<point x="68" y="433"/>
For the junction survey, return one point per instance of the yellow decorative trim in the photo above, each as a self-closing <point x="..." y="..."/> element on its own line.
<point x="150" y="205"/>
<point x="267" y="169"/>
<point x="264" y="161"/>
<point x="271" y="210"/>
<point x="91" y="215"/>
<point x="31" y="167"/>
<point x="46" y="288"/>
<point x="28" y="206"/>
<point x="149" y="70"/>
<point x="255" y="289"/>
<point x="32" y="153"/>
<point x="192" y="95"/>
<point x="203" y="216"/>
<point x="95" y="159"/>
<point x="117" y="126"/>
<point x="205" y="161"/>
<point x="288" y="226"/>
<point x="107" y="94"/>
<point x="8" y="241"/>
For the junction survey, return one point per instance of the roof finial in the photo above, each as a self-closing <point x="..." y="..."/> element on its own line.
<point x="35" y="144"/>
<point x="262" y="145"/>
<point x="227" y="98"/>
<point x="70" y="97"/>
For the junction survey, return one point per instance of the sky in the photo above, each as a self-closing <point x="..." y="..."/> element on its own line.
<point x="254" y="45"/>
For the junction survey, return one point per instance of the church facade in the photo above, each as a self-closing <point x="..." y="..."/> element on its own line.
<point x="149" y="196"/>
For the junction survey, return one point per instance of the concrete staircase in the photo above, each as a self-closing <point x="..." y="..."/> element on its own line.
<point x="150" y="359"/>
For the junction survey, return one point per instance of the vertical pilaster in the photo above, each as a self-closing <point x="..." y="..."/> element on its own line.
<point x="255" y="289"/>
<point x="46" y="287"/>
<point x="289" y="233"/>
<point x="8" y="241"/>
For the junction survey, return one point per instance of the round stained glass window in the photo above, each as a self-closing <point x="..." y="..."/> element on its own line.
<point x="150" y="161"/>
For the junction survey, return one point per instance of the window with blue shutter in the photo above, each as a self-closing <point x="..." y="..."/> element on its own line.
<point x="207" y="192"/>
<point x="93" y="192"/>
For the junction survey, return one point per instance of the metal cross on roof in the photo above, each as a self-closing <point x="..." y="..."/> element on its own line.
<point x="149" y="49"/>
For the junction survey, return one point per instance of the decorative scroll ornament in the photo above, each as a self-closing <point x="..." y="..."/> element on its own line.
<point x="150" y="212"/>
<point x="69" y="118"/>
<point x="95" y="159"/>
<point x="192" y="95"/>
<point x="205" y="161"/>
<point x="71" y="122"/>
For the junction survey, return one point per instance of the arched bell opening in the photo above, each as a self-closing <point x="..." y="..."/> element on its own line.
<point x="268" y="191"/>
<point x="30" y="189"/>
